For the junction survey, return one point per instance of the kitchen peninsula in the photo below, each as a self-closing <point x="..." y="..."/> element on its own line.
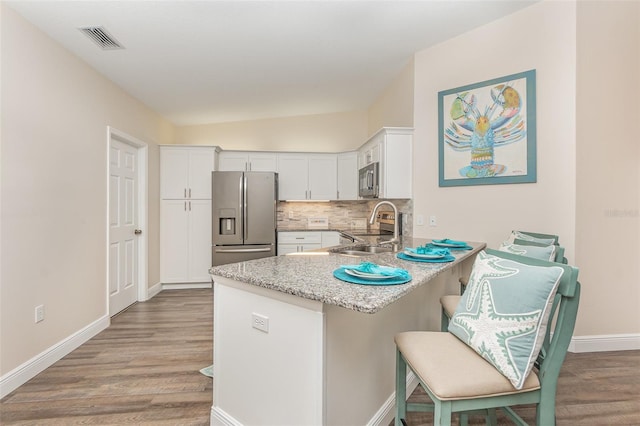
<point x="295" y="346"/>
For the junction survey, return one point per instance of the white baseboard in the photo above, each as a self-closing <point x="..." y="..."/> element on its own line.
<point x="605" y="343"/>
<point x="221" y="418"/>
<point x="387" y="412"/>
<point x="25" y="372"/>
<point x="382" y="417"/>
<point x="183" y="286"/>
<point x="152" y="291"/>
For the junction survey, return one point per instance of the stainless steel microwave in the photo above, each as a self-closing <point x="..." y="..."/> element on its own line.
<point x="368" y="181"/>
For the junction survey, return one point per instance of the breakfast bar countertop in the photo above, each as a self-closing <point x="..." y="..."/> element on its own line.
<point x="310" y="275"/>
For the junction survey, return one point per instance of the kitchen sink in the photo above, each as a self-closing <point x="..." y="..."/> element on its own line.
<point x="375" y="249"/>
<point x="355" y="253"/>
<point x="366" y="250"/>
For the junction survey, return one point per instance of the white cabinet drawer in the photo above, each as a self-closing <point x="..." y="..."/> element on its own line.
<point x="299" y="237"/>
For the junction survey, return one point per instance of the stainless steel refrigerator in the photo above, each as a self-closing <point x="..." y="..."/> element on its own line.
<point x="244" y="216"/>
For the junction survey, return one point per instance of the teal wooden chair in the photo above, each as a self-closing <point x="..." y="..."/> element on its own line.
<point x="559" y="256"/>
<point x="458" y="380"/>
<point x="449" y="302"/>
<point x="553" y="239"/>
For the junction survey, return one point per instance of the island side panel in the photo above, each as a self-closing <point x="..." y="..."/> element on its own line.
<point x="360" y="361"/>
<point x="266" y="378"/>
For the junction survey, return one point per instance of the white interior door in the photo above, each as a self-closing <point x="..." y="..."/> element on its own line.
<point x="123" y="214"/>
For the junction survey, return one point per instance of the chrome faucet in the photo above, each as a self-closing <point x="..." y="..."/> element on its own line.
<point x="395" y="222"/>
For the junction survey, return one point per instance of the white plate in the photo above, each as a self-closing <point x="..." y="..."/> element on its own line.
<point x="449" y="245"/>
<point x="368" y="276"/>
<point x="424" y="256"/>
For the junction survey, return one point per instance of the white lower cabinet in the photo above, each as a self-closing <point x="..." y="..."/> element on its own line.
<point x="299" y="241"/>
<point x="185" y="241"/>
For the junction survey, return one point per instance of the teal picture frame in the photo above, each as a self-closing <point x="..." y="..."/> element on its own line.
<point x="487" y="132"/>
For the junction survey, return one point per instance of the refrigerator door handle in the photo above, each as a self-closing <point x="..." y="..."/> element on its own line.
<point x="258" y="250"/>
<point x="245" y="222"/>
<point x="241" y="202"/>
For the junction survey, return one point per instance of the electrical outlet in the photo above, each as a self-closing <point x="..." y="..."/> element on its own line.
<point x="420" y="220"/>
<point x="260" y="322"/>
<point x="432" y="220"/>
<point x="39" y="313"/>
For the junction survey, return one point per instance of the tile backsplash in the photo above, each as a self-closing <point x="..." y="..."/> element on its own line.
<point x="341" y="214"/>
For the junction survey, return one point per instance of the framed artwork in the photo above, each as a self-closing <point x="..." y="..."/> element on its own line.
<point x="487" y="132"/>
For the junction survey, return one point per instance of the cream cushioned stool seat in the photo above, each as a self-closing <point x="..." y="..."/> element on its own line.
<point x="454" y="371"/>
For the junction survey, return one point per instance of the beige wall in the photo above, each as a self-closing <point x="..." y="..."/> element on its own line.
<point x="540" y="37"/>
<point x="608" y="166"/>
<point x="319" y="133"/>
<point x="55" y="113"/>
<point x="394" y="107"/>
<point x="586" y="56"/>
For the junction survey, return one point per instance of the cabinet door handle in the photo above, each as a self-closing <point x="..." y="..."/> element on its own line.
<point x="189" y="205"/>
<point x="185" y="206"/>
<point x="185" y="193"/>
<point x="189" y="192"/>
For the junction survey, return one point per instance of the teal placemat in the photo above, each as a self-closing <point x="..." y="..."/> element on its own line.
<point x="343" y="276"/>
<point x="415" y="259"/>
<point x="465" y="247"/>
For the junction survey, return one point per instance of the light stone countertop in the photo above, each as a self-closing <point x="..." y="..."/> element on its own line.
<point x="310" y="275"/>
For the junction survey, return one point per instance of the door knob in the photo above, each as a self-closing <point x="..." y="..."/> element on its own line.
<point x="138" y="231"/>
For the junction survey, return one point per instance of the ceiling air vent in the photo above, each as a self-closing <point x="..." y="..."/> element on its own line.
<point x="102" y="38"/>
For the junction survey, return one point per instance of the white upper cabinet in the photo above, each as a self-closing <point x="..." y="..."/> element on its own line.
<point x="323" y="177"/>
<point x="292" y="176"/>
<point x="238" y="161"/>
<point x="392" y="148"/>
<point x="307" y="176"/>
<point x="186" y="172"/>
<point x="369" y="153"/>
<point x="348" y="176"/>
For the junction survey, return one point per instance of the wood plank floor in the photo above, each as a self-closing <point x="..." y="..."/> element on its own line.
<point x="601" y="388"/>
<point x="144" y="370"/>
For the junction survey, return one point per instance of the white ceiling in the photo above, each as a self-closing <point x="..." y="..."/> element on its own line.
<point x="198" y="62"/>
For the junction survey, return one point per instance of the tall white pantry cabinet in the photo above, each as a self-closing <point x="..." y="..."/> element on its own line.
<point x="185" y="213"/>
